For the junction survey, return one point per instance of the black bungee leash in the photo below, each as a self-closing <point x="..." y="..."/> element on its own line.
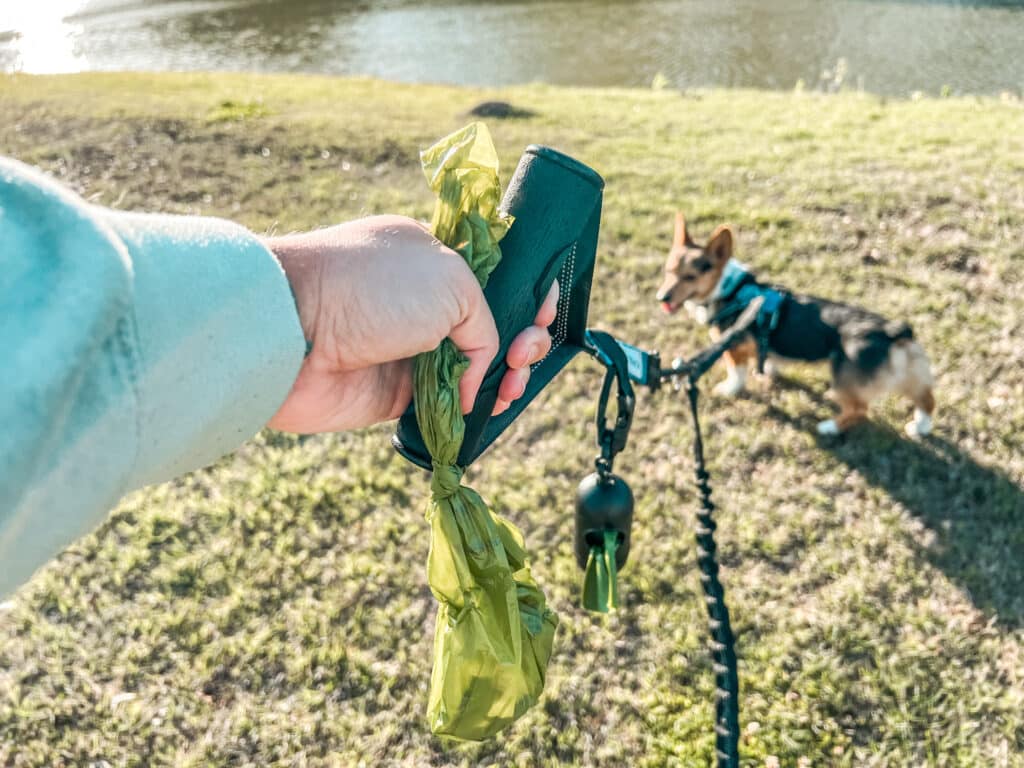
<point x="604" y="503"/>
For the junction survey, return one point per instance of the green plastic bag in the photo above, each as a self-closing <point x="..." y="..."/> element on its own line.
<point x="601" y="578"/>
<point x="494" y="631"/>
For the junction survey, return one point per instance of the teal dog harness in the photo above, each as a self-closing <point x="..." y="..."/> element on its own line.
<point x="736" y="290"/>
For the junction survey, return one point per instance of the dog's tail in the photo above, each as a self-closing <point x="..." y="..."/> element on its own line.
<point x="869" y="349"/>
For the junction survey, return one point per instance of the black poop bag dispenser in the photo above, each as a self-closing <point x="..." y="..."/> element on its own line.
<point x="556" y="202"/>
<point x="604" y="519"/>
<point x="604" y="502"/>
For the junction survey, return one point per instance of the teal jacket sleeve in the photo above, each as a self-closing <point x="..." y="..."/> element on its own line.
<point x="133" y="348"/>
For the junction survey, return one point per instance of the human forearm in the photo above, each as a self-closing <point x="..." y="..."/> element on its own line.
<point x="132" y="348"/>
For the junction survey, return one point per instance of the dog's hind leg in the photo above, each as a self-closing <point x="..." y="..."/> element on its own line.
<point x="924" y="406"/>
<point x="916" y="384"/>
<point x="853" y="409"/>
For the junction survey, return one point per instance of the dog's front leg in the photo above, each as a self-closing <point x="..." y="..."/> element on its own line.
<point x="737" y="361"/>
<point x="772" y="370"/>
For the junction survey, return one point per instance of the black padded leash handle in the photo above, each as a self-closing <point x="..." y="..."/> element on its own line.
<point x="556" y="202"/>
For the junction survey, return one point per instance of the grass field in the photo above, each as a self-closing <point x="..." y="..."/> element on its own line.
<point x="272" y="610"/>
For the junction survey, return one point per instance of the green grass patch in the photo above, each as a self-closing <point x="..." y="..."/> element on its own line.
<point x="229" y="111"/>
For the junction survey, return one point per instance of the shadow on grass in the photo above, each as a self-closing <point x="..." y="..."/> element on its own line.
<point x="976" y="512"/>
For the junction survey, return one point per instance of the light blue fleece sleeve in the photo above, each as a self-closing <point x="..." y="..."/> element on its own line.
<point x="133" y="348"/>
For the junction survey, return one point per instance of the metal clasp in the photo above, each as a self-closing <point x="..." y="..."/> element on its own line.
<point x="612" y="440"/>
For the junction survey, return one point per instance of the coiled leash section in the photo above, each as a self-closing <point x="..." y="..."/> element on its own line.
<point x="723" y="643"/>
<point x="626" y="363"/>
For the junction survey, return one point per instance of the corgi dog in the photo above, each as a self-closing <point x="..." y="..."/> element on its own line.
<point x="869" y="355"/>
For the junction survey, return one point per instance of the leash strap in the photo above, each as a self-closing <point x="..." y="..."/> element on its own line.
<point x="600" y="587"/>
<point x="723" y="643"/>
<point x="767" y="322"/>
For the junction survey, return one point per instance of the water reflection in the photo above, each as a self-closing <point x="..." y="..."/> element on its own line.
<point x="38" y="40"/>
<point x="887" y="46"/>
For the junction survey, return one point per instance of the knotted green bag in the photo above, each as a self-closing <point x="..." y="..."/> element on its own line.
<point x="494" y="631"/>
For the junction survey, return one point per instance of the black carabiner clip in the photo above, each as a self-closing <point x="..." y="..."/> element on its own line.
<point x="612" y="440"/>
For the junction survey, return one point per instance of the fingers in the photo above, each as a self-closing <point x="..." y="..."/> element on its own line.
<point x="546" y="314"/>
<point x="477" y="338"/>
<point x="528" y="347"/>
<point x="512" y="387"/>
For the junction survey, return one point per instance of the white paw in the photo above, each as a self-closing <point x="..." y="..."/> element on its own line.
<point x="828" y="427"/>
<point x="920" y="426"/>
<point x="730" y="387"/>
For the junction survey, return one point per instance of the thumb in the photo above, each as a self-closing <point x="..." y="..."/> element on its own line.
<point x="477" y="338"/>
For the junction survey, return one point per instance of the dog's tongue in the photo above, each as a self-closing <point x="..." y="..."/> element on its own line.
<point x="666" y="307"/>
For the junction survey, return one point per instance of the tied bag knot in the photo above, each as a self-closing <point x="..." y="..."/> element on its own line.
<point x="446" y="480"/>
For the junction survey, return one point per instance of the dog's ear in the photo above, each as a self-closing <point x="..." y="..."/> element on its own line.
<point x="719" y="247"/>
<point x="681" y="237"/>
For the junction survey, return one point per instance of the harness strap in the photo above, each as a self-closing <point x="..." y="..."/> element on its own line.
<point x="767" y="316"/>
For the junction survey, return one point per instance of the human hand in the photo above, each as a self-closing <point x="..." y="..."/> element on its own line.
<point x="373" y="293"/>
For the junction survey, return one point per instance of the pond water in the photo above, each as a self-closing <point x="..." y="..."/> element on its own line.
<point x="883" y="46"/>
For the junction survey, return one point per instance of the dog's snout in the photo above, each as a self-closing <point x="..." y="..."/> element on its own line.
<point x="664" y="297"/>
